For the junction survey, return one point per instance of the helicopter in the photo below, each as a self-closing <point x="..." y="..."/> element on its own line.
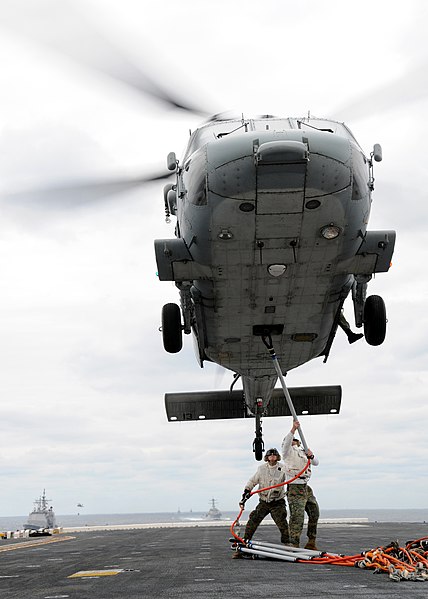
<point x="270" y="239"/>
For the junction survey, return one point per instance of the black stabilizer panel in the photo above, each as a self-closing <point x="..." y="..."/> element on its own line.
<point x="214" y="405"/>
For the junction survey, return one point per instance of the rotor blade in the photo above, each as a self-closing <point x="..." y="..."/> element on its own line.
<point x="72" y="195"/>
<point x="410" y="87"/>
<point x="58" y="26"/>
<point x="219" y="375"/>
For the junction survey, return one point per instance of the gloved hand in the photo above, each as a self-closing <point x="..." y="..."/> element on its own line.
<point x="309" y="454"/>
<point x="245" y="495"/>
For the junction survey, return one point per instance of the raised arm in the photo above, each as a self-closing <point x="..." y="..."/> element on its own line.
<point x="288" y="439"/>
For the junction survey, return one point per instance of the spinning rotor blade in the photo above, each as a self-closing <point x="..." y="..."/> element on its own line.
<point x="410" y="87"/>
<point x="78" y="194"/>
<point x="58" y="26"/>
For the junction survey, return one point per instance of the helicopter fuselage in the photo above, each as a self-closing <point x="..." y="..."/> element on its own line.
<point x="272" y="236"/>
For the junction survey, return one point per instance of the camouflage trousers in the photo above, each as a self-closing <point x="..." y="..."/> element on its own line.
<point x="278" y="510"/>
<point x="301" y="499"/>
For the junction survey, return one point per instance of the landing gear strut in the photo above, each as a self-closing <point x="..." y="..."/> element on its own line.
<point x="258" y="443"/>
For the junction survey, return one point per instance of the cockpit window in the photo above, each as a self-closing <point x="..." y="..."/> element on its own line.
<point x="194" y="178"/>
<point x="360" y="177"/>
<point x="218" y="129"/>
<point x="339" y="129"/>
<point x="272" y="124"/>
<point x="209" y="132"/>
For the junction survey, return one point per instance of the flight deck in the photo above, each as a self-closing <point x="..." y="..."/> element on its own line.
<point x="181" y="562"/>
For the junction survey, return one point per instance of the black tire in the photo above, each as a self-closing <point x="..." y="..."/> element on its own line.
<point x="171" y="328"/>
<point x="374" y="320"/>
<point x="258" y="447"/>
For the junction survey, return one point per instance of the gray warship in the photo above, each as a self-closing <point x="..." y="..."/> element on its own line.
<point x="42" y="517"/>
<point x="214" y="513"/>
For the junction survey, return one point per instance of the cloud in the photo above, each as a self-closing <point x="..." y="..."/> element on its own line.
<point x="83" y="369"/>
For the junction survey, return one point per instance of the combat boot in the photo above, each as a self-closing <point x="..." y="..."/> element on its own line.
<point x="353" y="337"/>
<point x="311" y="544"/>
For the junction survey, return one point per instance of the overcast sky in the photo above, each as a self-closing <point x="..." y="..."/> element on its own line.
<point x="82" y="368"/>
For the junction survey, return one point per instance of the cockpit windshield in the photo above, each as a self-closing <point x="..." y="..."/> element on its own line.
<point x="217" y="129"/>
<point x="330" y="126"/>
<point x="212" y="131"/>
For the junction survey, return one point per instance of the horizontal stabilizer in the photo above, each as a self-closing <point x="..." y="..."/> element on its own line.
<point x="213" y="405"/>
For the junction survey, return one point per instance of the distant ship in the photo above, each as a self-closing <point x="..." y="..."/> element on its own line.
<point x="214" y="513"/>
<point x="42" y="516"/>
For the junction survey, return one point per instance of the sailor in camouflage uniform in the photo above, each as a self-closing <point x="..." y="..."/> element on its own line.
<point x="272" y="502"/>
<point x="299" y="494"/>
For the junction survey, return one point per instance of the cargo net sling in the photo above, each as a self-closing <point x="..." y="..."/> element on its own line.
<point x="408" y="562"/>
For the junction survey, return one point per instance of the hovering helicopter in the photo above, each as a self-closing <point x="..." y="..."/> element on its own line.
<point x="270" y="236"/>
<point x="270" y="239"/>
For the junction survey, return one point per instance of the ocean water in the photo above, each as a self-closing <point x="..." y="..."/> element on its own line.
<point x="72" y="520"/>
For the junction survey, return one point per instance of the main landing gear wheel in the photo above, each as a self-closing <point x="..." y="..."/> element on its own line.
<point x="171" y="328"/>
<point x="374" y="320"/>
<point x="258" y="447"/>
